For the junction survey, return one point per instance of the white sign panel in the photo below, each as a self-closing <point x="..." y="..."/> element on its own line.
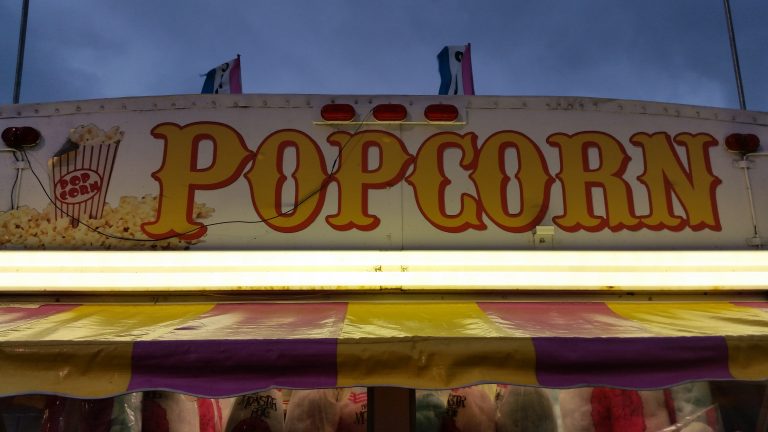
<point x="354" y="172"/>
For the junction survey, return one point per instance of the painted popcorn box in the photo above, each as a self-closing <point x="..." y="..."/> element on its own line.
<point x="80" y="172"/>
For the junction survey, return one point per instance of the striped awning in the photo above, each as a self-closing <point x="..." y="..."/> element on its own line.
<point x="223" y="349"/>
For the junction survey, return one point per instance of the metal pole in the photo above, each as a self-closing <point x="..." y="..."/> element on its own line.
<point x="20" y="51"/>
<point x="734" y="54"/>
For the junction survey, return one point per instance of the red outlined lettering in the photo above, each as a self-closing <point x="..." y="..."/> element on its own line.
<point x="355" y="178"/>
<point x="429" y="182"/>
<point x="179" y="175"/>
<point x="532" y="176"/>
<point x="578" y="180"/>
<point x="666" y="175"/>
<point x="266" y="180"/>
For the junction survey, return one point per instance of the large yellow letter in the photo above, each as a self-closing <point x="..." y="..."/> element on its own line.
<point x="665" y="175"/>
<point x="429" y="182"/>
<point x="578" y="180"/>
<point x="355" y="177"/>
<point x="180" y="176"/>
<point x="266" y="179"/>
<point x="492" y="181"/>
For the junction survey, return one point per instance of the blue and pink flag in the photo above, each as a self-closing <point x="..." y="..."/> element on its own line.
<point x="224" y="78"/>
<point x="455" y="63"/>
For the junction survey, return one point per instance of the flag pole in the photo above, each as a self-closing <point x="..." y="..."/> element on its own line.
<point x="20" y="51"/>
<point x="734" y="54"/>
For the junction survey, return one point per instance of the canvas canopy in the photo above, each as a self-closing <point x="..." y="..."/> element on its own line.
<point x="223" y="349"/>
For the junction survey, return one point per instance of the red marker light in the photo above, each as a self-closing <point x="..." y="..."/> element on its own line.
<point x="742" y="143"/>
<point x="18" y="137"/>
<point x="389" y="112"/>
<point x="441" y="113"/>
<point x="338" y="112"/>
<point x="752" y="143"/>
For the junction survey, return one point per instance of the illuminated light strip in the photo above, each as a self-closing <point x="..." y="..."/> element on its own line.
<point x="418" y="270"/>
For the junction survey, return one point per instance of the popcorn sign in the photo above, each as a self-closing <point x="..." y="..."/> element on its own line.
<point x="664" y="175"/>
<point x="278" y="175"/>
<point x="78" y="186"/>
<point x="80" y="172"/>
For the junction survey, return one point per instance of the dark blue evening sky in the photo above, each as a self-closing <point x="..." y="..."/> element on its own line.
<point x="661" y="50"/>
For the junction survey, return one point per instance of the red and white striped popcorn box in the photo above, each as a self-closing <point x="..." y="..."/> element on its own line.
<point x="81" y="171"/>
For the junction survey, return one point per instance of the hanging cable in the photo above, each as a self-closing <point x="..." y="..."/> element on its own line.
<point x="744" y="163"/>
<point x="20" y="51"/>
<point x="16" y="185"/>
<point x="734" y="54"/>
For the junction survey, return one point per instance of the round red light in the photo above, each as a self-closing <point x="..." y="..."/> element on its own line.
<point x="751" y="143"/>
<point x="742" y="143"/>
<point x="389" y="112"/>
<point x="338" y="112"/>
<point x="18" y="137"/>
<point x="441" y="113"/>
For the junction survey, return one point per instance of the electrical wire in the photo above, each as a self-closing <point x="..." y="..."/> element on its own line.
<point x="15" y="183"/>
<point x="323" y="185"/>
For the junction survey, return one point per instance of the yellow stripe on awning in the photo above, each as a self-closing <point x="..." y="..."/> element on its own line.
<point x="690" y="319"/>
<point x="388" y="319"/>
<point x="747" y="357"/>
<point x="86" y="370"/>
<point x="426" y="345"/>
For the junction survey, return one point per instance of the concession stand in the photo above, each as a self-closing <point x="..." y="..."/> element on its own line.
<point x="217" y="246"/>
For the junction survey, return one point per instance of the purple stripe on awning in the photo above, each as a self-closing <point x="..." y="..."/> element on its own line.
<point x="629" y="362"/>
<point x="264" y="321"/>
<point x="13" y="316"/>
<point x="553" y="319"/>
<point x="217" y="368"/>
<point x="756" y="305"/>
